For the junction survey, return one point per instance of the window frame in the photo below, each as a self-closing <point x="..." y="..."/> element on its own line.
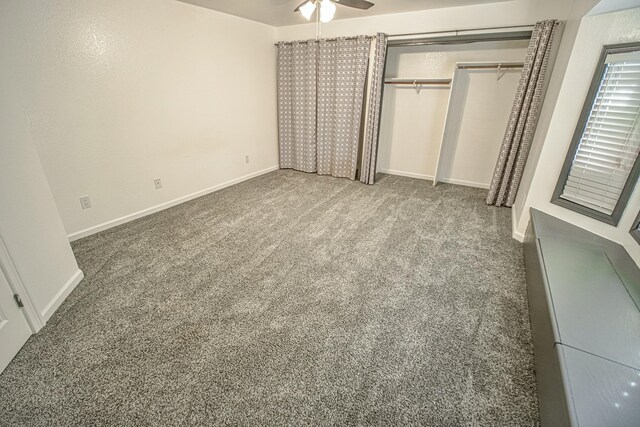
<point x="635" y="231"/>
<point x="615" y="216"/>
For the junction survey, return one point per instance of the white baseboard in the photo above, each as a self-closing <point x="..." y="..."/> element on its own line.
<point x="518" y="236"/>
<point x="514" y="227"/>
<point x="118" y="221"/>
<point x="465" y="183"/>
<point x="61" y="295"/>
<point x="430" y="178"/>
<point x="407" y="174"/>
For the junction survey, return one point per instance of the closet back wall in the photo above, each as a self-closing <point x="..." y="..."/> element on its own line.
<point x="412" y="124"/>
<point x="120" y="92"/>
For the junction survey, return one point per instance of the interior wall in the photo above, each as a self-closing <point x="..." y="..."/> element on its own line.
<point x="412" y="124"/>
<point x="30" y="226"/>
<point x="593" y="33"/>
<point x="118" y="93"/>
<point x="606" y="6"/>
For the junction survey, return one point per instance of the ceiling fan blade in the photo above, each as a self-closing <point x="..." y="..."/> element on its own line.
<point x="358" y="4"/>
<point x="297" y="9"/>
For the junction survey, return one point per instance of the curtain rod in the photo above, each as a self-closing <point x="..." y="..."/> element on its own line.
<point x="458" y="38"/>
<point x="461" y="31"/>
<point x="325" y="39"/>
<point x="429" y="33"/>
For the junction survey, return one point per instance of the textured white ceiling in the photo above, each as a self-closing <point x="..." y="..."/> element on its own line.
<point x="280" y="12"/>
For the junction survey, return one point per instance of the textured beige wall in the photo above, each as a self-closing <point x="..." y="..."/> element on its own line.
<point x="120" y="92"/>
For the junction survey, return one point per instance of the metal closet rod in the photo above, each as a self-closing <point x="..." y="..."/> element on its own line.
<point x="418" y="82"/>
<point x="494" y="66"/>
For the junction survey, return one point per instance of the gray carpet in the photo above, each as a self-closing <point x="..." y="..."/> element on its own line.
<point x="290" y="299"/>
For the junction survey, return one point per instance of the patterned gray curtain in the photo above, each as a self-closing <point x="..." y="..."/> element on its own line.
<point x="373" y="109"/>
<point x="297" y="79"/>
<point x="342" y="72"/>
<point x="524" y="116"/>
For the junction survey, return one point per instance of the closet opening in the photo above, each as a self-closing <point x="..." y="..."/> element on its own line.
<point x="446" y="104"/>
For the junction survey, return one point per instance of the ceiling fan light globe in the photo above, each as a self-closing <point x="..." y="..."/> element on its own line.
<point x="327" y="10"/>
<point x="307" y="9"/>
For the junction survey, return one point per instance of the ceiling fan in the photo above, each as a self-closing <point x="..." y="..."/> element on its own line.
<point x="328" y="7"/>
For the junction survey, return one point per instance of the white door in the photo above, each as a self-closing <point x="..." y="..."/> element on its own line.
<point x="14" y="329"/>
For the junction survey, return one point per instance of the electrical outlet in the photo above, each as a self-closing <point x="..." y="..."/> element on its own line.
<point x="158" y="183"/>
<point x="85" y="202"/>
<point x="246" y="158"/>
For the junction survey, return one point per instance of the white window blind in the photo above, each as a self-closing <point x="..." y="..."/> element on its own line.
<point x="611" y="139"/>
